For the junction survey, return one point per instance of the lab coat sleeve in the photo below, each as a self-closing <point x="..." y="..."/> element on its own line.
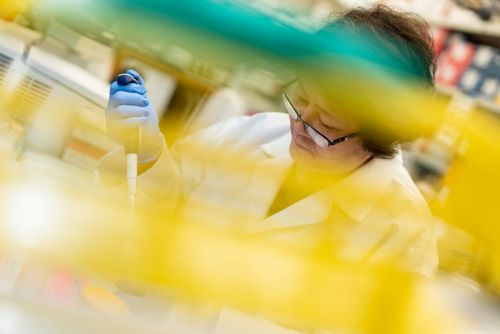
<point x="180" y="170"/>
<point x="177" y="171"/>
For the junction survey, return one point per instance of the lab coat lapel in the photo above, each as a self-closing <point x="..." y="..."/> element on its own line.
<point x="267" y="179"/>
<point x="268" y="176"/>
<point x="310" y="210"/>
<point x="356" y="195"/>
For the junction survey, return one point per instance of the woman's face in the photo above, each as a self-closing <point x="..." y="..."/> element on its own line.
<point x="322" y="114"/>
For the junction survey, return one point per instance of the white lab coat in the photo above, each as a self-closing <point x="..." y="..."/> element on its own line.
<point x="374" y="213"/>
<point x="378" y="210"/>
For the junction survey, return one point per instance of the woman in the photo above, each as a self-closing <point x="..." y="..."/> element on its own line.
<point x="312" y="175"/>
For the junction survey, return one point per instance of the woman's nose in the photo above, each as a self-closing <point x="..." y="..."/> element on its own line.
<point x="299" y="124"/>
<point x="299" y="127"/>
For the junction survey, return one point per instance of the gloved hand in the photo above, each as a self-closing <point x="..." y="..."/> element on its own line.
<point x="128" y="108"/>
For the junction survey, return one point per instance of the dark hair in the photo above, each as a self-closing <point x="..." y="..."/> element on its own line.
<point x="406" y="36"/>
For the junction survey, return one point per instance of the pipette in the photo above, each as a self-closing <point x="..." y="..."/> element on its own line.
<point x="132" y="144"/>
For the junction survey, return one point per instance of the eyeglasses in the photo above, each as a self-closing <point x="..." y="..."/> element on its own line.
<point x="320" y="139"/>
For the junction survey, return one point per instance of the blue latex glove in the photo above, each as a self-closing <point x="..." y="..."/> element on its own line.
<point x="128" y="108"/>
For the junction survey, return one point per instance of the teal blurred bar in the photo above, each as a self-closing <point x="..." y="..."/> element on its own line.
<point x="243" y="26"/>
<point x="224" y="19"/>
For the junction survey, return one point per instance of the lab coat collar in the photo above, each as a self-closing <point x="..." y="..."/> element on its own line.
<point x="356" y="195"/>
